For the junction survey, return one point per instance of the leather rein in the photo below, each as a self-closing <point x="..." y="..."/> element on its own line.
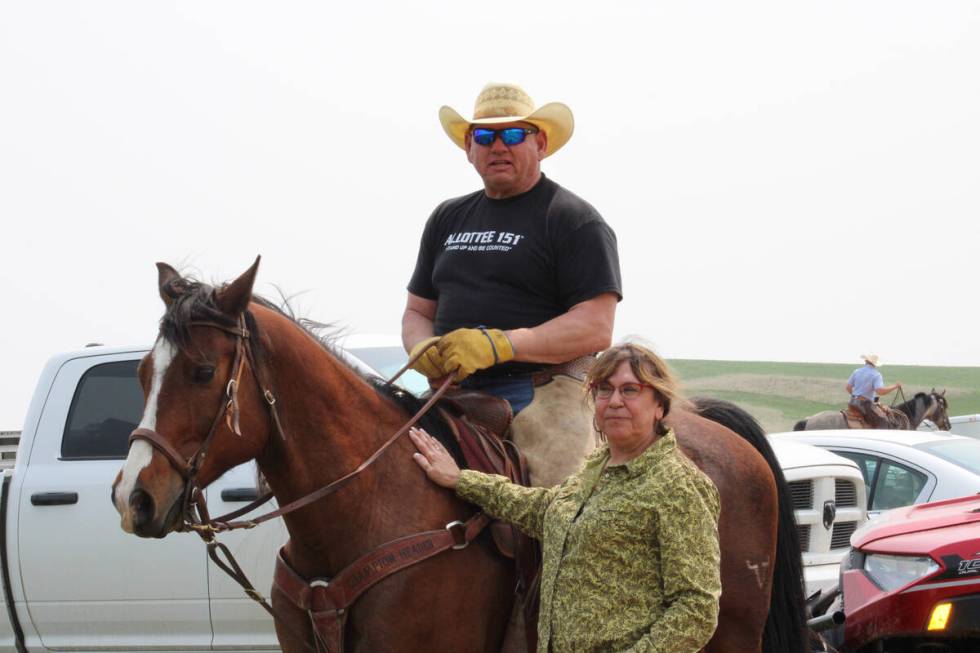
<point x="343" y="589"/>
<point x="228" y="412"/>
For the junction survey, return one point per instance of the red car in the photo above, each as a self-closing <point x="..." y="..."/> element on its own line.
<point x="911" y="582"/>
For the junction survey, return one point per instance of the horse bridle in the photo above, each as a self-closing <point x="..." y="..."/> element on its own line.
<point x="943" y="406"/>
<point x="188" y="468"/>
<point x="228" y="411"/>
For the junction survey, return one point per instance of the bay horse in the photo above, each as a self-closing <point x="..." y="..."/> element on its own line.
<point x="931" y="406"/>
<point x="308" y="419"/>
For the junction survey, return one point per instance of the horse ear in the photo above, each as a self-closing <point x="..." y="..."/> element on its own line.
<point x="166" y="275"/>
<point x="233" y="299"/>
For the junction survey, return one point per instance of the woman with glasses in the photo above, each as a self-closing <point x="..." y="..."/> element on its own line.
<point x="630" y="549"/>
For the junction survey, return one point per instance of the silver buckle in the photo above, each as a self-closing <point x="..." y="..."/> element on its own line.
<point x="319" y="582"/>
<point x="458" y="530"/>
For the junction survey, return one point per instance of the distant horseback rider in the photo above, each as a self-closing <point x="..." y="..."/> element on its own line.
<point x="517" y="283"/>
<point x="865" y="386"/>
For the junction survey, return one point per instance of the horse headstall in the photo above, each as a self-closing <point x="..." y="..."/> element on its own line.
<point x="228" y="412"/>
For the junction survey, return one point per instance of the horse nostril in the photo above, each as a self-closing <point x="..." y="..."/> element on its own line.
<point x="142" y="504"/>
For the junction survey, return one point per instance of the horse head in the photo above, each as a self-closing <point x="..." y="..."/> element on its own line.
<point x="940" y="411"/>
<point x="204" y="412"/>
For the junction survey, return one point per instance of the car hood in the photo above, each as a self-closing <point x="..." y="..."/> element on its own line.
<point x="919" y="519"/>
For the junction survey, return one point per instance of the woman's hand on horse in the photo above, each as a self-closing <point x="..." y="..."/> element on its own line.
<point x="439" y="466"/>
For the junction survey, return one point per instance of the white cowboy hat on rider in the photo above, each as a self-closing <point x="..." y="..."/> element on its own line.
<point x="872" y="359"/>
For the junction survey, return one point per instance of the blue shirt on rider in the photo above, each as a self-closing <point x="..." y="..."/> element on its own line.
<point x="864" y="381"/>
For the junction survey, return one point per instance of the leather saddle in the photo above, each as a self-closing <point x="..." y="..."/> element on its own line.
<point x="480" y="423"/>
<point x="480" y="409"/>
<point x="487" y="419"/>
<point x="855" y="418"/>
<point x="887" y="418"/>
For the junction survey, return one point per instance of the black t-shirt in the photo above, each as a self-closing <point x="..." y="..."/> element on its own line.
<point x="516" y="262"/>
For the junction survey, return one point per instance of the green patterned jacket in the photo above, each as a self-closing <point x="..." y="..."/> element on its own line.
<point x="630" y="552"/>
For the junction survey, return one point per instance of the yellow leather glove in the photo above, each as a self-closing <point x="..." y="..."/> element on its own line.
<point x="469" y="350"/>
<point x="430" y="364"/>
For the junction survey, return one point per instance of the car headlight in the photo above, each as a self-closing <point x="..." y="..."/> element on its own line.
<point x="890" y="572"/>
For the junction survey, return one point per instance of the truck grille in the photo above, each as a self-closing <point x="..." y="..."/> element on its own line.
<point x="803" y="532"/>
<point x="841" y="537"/>
<point x="802" y="494"/>
<point x="845" y="493"/>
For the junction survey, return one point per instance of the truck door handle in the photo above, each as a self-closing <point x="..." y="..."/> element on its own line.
<point x="239" y="494"/>
<point x="54" y="498"/>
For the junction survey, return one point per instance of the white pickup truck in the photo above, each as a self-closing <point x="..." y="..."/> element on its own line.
<point x="68" y="569"/>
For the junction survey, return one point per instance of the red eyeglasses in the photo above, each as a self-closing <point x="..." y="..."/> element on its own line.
<point x="627" y="391"/>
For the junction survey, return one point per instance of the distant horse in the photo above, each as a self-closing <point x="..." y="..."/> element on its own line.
<point x="932" y="406"/>
<point x="284" y="399"/>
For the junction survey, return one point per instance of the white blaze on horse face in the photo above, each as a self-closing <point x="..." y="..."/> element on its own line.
<point x="141" y="452"/>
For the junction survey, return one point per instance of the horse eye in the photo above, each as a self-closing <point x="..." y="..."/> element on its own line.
<point x="203" y="374"/>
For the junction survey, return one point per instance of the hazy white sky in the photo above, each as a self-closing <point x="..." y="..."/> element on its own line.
<point x="788" y="181"/>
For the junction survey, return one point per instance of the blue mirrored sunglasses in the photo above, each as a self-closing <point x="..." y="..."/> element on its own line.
<point x="508" y="136"/>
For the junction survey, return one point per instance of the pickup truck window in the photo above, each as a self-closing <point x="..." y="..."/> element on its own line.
<point x="106" y="407"/>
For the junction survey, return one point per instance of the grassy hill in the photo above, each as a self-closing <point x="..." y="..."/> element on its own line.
<point x="779" y="394"/>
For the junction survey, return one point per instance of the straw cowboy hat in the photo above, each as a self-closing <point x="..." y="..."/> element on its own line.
<point x="870" y="358"/>
<point x="501" y="103"/>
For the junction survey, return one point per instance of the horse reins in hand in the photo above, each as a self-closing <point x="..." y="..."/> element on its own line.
<point x="937" y="402"/>
<point x="895" y="398"/>
<point x="220" y="524"/>
<point x="229" y="410"/>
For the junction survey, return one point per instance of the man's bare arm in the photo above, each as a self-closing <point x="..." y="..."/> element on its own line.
<point x="587" y="327"/>
<point x="881" y="392"/>
<point x="418" y="320"/>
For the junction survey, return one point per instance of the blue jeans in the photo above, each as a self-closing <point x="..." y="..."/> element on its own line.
<point x="518" y="390"/>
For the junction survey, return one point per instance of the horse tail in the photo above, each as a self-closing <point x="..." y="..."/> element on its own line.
<point x="800" y="426"/>
<point x="786" y="628"/>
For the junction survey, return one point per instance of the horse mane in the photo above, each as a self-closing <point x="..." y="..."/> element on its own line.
<point x="191" y="301"/>
<point x="196" y="301"/>
<point x="908" y="407"/>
